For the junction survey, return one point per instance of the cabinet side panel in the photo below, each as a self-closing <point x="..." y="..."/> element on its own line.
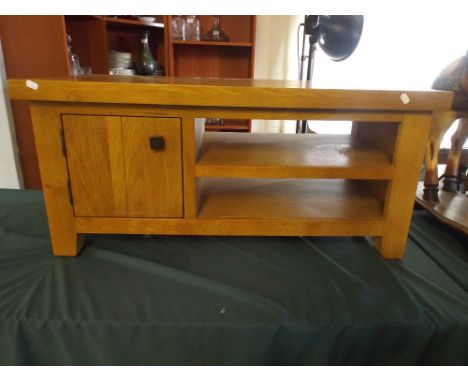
<point x="381" y="134"/>
<point x="407" y="158"/>
<point x="153" y="175"/>
<point x="95" y="161"/>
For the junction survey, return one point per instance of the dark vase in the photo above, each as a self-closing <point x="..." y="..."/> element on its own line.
<point x="145" y="64"/>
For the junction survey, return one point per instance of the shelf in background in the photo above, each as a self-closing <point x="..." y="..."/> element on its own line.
<point x="227" y="128"/>
<point x="285" y="198"/>
<point x="229" y="125"/>
<point x="290" y="156"/>
<point x="213" y="43"/>
<point x="132" y="22"/>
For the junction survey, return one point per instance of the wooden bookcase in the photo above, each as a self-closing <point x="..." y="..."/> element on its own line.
<point x="93" y="37"/>
<point x="35" y="46"/>
<point x="208" y="59"/>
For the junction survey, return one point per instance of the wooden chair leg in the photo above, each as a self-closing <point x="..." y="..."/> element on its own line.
<point x="440" y="124"/>
<point x="457" y="141"/>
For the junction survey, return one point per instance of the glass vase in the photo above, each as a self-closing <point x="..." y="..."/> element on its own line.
<point x="145" y="64"/>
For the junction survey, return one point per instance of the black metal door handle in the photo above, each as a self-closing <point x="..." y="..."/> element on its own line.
<point x="156" y="143"/>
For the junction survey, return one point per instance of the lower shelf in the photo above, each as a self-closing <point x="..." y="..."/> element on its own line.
<point x="264" y="207"/>
<point x="286" y="198"/>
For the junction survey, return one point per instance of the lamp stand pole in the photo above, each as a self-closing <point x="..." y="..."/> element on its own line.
<point x="301" y="126"/>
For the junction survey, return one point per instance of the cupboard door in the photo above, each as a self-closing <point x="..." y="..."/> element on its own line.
<point x="95" y="164"/>
<point x="153" y="166"/>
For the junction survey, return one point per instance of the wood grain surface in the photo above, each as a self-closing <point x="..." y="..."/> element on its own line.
<point x="54" y="174"/>
<point x="223" y="93"/>
<point x="285" y="198"/>
<point x="232" y="227"/>
<point x="96" y="165"/>
<point x="291" y="156"/>
<point x="153" y="177"/>
<point x="407" y="159"/>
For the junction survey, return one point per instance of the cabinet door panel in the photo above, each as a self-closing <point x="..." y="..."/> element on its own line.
<point x="96" y="164"/>
<point x="153" y="175"/>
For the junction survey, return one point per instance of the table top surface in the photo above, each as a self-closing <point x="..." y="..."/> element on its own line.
<point x="215" y="92"/>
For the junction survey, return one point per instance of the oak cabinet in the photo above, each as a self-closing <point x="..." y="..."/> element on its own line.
<point x="124" y="166"/>
<point x="131" y="155"/>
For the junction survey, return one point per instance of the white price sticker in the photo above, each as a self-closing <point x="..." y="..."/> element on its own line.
<point x="405" y="98"/>
<point x="32" y="85"/>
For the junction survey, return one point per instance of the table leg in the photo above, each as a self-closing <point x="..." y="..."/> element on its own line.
<point x="440" y="124"/>
<point x="47" y="125"/>
<point x="457" y="141"/>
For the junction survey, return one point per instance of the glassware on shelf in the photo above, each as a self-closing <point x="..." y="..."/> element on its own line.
<point x="145" y="64"/>
<point x="179" y="26"/>
<point x="193" y="28"/>
<point x="215" y="33"/>
<point x="73" y="59"/>
<point x="86" y="70"/>
<point x="214" y="121"/>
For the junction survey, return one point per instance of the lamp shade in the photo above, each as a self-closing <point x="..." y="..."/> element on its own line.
<point x="339" y="34"/>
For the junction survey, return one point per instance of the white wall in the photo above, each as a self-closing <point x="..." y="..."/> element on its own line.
<point x="401" y="51"/>
<point x="10" y="176"/>
<point x="275" y="57"/>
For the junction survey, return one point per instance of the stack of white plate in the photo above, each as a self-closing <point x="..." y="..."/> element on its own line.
<point x="122" y="72"/>
<point x="120" y="60"/>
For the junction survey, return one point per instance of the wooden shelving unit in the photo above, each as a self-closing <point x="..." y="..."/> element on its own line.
<point x="208" y="59"/>
<point x="35" y="46"/>
<point x="93" y="37"/>
<point x="132" y="22"/>
<point x="288" y="176"/>
<point x="214" y="43"/>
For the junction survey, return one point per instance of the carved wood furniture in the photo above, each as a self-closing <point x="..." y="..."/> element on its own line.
<point x="130" y="155"/>
<point x="445" y="202"/>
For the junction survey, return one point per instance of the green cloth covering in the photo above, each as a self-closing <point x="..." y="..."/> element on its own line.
<point x="186" y="300"/>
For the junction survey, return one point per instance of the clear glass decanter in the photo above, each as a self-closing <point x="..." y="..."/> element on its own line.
<point x="215" y="33"/>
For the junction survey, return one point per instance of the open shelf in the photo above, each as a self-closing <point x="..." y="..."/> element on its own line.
<point x="237" y="125"/>
<point x="215" y="59"/>
<point x="227" y="127"/>
<point x="213" y="43"/>
<point x="211" y="61"/>
<point x="286" y="198"/>
<point x="94" y="36"/>
<point x="291" y="156"/>
<point x="132" y="22"/>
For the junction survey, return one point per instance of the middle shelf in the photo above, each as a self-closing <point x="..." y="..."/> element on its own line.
<point x="262" y="155"/>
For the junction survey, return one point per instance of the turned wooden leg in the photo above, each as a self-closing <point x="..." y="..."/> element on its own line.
<point x="54" y="174"/>
<point x="440" y="124"/>
<point x="451" y="171"/>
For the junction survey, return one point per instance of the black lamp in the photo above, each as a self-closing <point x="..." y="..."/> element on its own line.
<point x="337" y="35"/>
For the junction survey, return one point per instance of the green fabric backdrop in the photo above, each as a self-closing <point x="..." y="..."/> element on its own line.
<point x="161" y="300"/>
